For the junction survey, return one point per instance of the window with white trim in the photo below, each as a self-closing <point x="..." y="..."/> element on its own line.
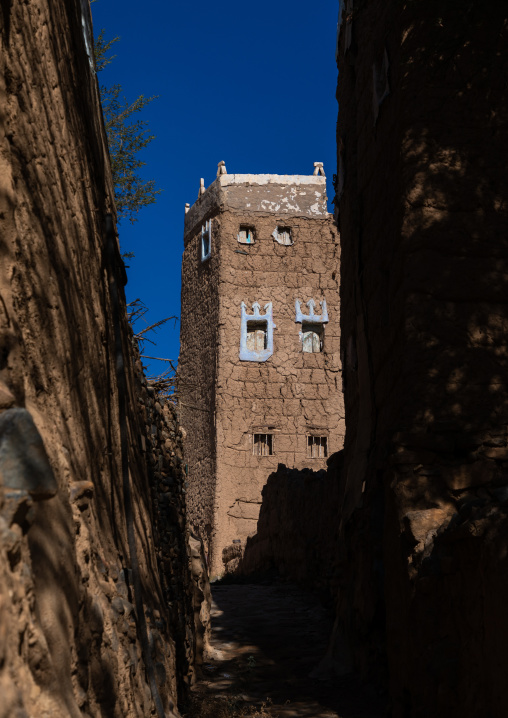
<point x="256" y="333"/>
<point x="312" y="333"/>
<point x="206" y="240"/>
<point x="317" y="447"/>
<point x="262" y="444"/>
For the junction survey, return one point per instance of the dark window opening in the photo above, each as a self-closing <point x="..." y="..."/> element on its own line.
<point x="317" y="447"/>
<point x="312" y="337"/>
<point x="283" y="235"/>
<point x="246" y="234"/>
<point x="257" y="336"/>
<point x="262" y="444"/>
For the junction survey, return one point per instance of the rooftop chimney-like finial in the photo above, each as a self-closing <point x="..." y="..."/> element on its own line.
<point x="187" y="207"/>
<point x="201" y="187"/>
<point x="318" y="169"/>
<point x="221" y="169"/>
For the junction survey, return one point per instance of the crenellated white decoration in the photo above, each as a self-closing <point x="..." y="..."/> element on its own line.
<point x="311" y="317"/>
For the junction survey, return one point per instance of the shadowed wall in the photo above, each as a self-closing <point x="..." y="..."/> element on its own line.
<point x="422" y="213"/>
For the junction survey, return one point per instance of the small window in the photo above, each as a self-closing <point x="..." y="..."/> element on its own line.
<point x="317" y="447"/>
<point x="246" y="235"/>
<point x="262" y="444"/>
<point x="257" y="336"/>
<point x="283" y="235"/>
<point x="206" y="240"/>
<point x="312" y="338"/>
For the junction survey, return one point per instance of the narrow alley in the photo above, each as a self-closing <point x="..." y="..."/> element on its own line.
<point x="327" y="441"/>
<point x="268" y="641"/>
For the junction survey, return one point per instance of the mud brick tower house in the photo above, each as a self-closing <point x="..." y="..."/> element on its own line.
<point x="259" y="371"/>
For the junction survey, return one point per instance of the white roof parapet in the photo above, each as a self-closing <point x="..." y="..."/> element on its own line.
<point x="299" y="195"/>
<point x="229" y="179"/>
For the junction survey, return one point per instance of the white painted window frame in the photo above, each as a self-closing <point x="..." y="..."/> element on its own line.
<point x="206" y="229"/>
<point x="248" y="354"/>
<point x="311" y="318"/>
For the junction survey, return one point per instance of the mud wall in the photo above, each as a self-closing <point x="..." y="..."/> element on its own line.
<point x="297" y="530"/>
<point x="421" y="199"/>
<point x="73" y="599"/>
<point x="197" y="372"/>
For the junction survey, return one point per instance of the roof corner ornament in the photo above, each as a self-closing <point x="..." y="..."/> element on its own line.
<point x="319" y="169"/>
<point x="187" y="207"/>
<point x="221" y="169"/>
<point x="202" y="189"/>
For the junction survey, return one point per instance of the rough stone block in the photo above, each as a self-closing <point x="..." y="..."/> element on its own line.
<point x="24" y="464"/>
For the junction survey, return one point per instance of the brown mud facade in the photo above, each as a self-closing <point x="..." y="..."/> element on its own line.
<point x="422" y="214"/>
<point x="97" y="607"/>
<point x="259" y="371"/>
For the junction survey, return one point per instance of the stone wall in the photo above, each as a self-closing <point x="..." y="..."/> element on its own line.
<point x="297" y="530"/>
<point x="75" y="595"/>
<point x="421" y="209"/>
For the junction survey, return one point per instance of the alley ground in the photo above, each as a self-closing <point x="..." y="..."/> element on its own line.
<point x="267" y="640"/>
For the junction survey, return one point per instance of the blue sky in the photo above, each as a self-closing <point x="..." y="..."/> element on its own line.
<point x="253" y="85"/>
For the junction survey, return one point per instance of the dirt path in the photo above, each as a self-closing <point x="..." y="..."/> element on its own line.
<point x="266" y="641"/>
